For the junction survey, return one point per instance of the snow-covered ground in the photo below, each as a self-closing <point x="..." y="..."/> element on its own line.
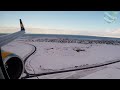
<point x="55" y="56"/>
<point x="111" y="72"/>
<point x="63" y="55"/>
<point x="20" y="49"/>
<point x="108" y="73"/>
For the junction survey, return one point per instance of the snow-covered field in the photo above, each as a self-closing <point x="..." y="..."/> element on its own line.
<point x="20" y="49"/>
<point x="58" y="56"/>
<point x="52" y="56"/>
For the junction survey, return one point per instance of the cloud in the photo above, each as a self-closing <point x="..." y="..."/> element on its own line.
<point x="105" y="33"/>
<point x="116" y="31"/>
<point x="8" y="29"/>
<point x="113" y="33"/>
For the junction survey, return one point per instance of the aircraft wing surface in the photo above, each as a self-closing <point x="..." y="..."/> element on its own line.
<point x="5" y="40"/>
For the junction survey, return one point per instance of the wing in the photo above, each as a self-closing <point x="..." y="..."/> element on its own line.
<point x="5" y="40"/>
<point x="8" y="38"/>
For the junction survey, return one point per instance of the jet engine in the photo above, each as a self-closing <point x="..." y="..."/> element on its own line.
<point x="14" y="65"/>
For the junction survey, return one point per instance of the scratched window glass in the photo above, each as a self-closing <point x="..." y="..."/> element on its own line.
<point x="60" y="44"/>
<point x="110" y="16"/>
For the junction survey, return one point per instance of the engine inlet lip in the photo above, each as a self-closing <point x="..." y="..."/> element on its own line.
<point x="14" y="56"/>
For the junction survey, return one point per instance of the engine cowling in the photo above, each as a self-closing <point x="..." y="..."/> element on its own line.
<point x="13" y="64"/>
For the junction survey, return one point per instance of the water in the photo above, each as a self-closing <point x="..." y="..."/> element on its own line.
<point x="80" y="37"/>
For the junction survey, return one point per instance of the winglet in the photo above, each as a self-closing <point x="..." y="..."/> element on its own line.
<point x="21" y="25"/>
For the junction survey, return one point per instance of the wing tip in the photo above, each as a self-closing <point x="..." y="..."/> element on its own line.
<point x="21" y="25"/>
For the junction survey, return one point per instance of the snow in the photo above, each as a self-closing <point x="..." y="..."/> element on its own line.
<point x="71" y="75"/>
<point x="111" y="72"/>
<point x="55" y="56"/>
<point x="108" y="73"/>
<point x="18" y="48"/>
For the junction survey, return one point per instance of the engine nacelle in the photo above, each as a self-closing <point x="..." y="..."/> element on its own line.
<point x="13" y="64"/>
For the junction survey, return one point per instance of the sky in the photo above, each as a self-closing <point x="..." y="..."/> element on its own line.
<point x="80" y="21"/>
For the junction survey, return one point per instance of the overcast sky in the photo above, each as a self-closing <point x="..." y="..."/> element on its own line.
<point x="88" y="21"/>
